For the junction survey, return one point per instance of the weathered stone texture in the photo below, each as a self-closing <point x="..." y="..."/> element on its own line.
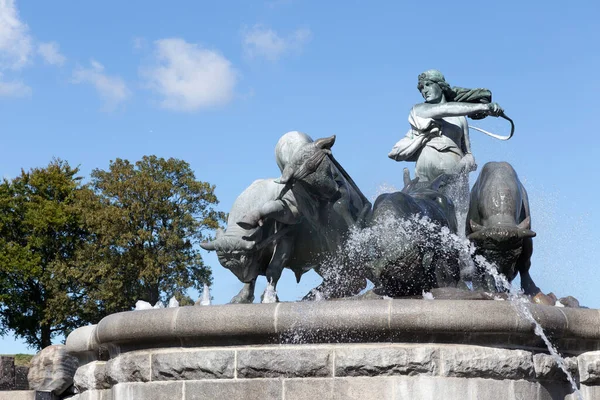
<point x="389" y="360"/>
<point x="129" y="367"/>
<point x="150" y="391"/>
<point x="94" y="395"/>
<point x="246" y="389"/>
<point x="288" y="363"/>
<point x="21" y="382"/>
<point x="485" y="362"/>
<point x="91" y="376"/>
<point x="309" y="389"/>
<point x="7" y="372"/>
<point x="52" y="369"/>
<point x="363" y="388"/>
<point x="547" y="368"/>
<point x="17" y="395"/>
<point x="193" y="365"/>
<point x="589" y="367"/>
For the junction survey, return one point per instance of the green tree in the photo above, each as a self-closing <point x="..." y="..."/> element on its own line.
<point x="40" y="233"/>
<point x="146" y="219"/>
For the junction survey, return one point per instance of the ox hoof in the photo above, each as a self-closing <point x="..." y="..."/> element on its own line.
<point x="544" y="299"/>
<point x="570" y="302"/>
<point x="239" y="299"/>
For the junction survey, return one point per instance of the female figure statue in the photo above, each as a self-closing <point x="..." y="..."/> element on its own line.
<point x="438" y="139"/>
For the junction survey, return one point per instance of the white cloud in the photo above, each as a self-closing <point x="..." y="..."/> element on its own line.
<point x="260" y="41"/>
<point x="15" y="41"/>
<point x="51" y="54"/>
<point x="111" y="88"/>
<point x="188" y="76"/>
<point x="14" y="88"/>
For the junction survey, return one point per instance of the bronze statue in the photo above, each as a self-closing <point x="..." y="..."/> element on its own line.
<point x="438" y="138"/>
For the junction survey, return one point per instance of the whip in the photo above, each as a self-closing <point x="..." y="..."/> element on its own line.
<point x="494" y="135"/>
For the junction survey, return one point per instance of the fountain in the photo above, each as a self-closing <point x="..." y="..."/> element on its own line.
<point x="441" y="321"/>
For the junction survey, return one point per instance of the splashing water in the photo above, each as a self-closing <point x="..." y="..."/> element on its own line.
<point x="427" y="296"/>
<point x="173" y="302"/>
<point x="520" y="303"/>
<point x="205" y="296"/>
<point x="391" y="237"/>
<point x="270" y="294"/>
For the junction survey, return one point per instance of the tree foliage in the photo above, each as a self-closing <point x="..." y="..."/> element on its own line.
<point x="71" y="254"/>
<point x="40" y="233"/>
<point x="146" y="220"/>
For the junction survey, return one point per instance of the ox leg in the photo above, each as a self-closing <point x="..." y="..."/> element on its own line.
<point x="467" y="269"/>
<point x="275" y="209"/>
<point x="281" y="256"/>
<point x="246" y="295"/>
<point x="446" y="271"/>
<point x="342" y="207"/>
<point x="523" y="265"/>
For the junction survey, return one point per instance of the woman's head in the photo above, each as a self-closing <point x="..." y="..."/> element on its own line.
<point x="433" y="86"/>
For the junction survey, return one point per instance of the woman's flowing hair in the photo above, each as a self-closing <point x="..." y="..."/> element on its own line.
<point x="456" y="94"/>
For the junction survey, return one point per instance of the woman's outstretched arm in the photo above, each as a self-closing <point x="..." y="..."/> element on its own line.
<point x="455" y="109"/>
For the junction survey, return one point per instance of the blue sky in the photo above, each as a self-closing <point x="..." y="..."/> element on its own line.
<point x="217" y="83"/>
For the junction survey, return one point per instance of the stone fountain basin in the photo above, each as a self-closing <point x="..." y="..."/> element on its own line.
<point x="490" y="323"/>
<point x="338" y="350"/>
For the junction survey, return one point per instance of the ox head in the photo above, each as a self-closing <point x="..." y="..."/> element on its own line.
<point x="305" y="162"/>
<point x="500" y="235"/>
<point x="238" y="255"/>
<point x="501" y="244"/>
<point x="412" y="186"/>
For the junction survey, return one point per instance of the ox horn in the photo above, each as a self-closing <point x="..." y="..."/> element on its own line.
<point x="208" y="246"/>
<point x="524" y="229"/>
<point x="325" y="143"/>
<point x="249" y="245"/>
<point x="406" y="177"/>
<point x="525" y="233"/>
<point x="285" y="179"/>
<point x="525" y="224"/>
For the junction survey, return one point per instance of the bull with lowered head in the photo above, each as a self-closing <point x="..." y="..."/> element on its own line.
<point x="499" y="225"/>
<point x="330" y="204"/>
<point x="263" y="249"/>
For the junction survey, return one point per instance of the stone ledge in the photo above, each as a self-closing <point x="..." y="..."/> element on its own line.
<point x="193" y="365"/>
<point x="289" y="362"/>
<point x="388" y="360"/>
<point x="345" y="321"/>
<point x="326" y="360"/>
<point x="347" y="388"/>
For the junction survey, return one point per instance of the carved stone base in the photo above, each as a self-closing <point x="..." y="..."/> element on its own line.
<point x="387" y="349"/>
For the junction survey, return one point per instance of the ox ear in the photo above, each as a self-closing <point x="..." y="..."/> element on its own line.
<point x="208" y="246"/>
<point x="475" y="227"/>
<point x="219" y="232"/>
<point x="525" y="224"/>
<point x="325" y="143"/>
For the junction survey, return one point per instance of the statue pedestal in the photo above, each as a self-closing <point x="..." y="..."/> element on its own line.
<point x="370" y="349"/>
